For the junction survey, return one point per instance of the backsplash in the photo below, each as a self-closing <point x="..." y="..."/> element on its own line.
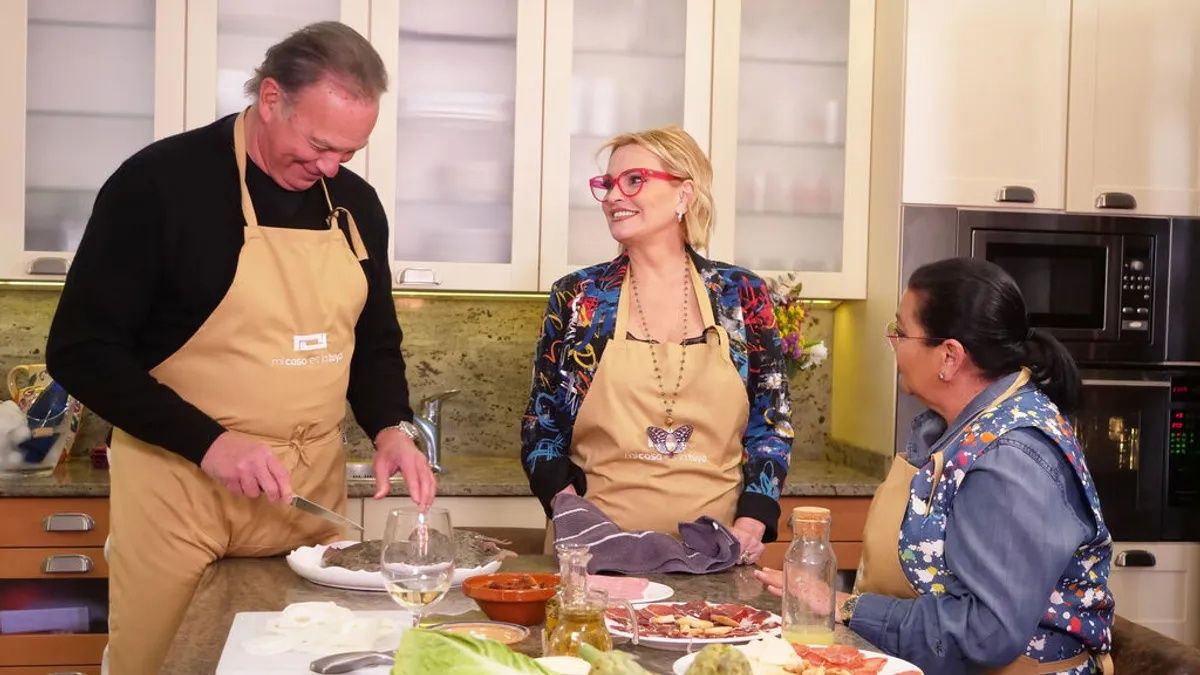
<point x="483" y="347"/>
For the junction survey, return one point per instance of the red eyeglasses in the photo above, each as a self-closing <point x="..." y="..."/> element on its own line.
<point x="629" y="182"/>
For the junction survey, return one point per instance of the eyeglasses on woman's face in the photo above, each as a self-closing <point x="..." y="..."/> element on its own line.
<point x="895" y="334"/>
<point x="629" y="182"/>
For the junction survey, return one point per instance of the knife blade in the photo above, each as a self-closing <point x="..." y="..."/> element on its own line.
<point x="309" y="506"/>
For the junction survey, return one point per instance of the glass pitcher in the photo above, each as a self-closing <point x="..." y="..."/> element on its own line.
<point x="572" y="574"/>
<point x="580" y="620"/>
<point x="576" y="610"/>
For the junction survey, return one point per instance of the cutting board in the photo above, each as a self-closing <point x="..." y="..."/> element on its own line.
<point x="237" y="661"/>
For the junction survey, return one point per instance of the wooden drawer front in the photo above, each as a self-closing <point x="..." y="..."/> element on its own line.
<point x="52" y="650"/>
<point x="849" y="515"/>
<point x="847" y="552"/>
<point x="53" y="522"/>
<point x="52" y="563"/>
<point x="51" y="670"/>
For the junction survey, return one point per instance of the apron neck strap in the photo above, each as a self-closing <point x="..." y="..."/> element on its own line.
<point x="239" y="153"/>
<point x="702" y="299"/>
<point x="356" y="242"/>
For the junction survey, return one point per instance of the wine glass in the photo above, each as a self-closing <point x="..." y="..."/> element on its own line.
<point x="417" y="557"/>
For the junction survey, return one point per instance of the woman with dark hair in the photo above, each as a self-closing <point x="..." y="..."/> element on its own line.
<point x="985" y="549"/>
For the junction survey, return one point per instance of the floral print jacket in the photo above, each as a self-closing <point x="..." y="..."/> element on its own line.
<point x="580" y="319"/>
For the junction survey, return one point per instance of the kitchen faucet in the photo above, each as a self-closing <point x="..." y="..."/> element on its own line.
<point x="429" y="426"/>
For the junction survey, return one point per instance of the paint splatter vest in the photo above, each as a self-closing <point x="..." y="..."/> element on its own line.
<point x="1080" y="608"/>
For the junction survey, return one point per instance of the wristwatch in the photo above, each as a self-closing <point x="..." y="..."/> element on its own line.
<point x="407" y="428"/>
<point x="847" y="608"/>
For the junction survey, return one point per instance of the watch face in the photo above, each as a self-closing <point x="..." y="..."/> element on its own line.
<point x="409" y="429"/>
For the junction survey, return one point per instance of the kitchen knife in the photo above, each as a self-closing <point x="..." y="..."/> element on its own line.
<point x="309" y="506"/>
<point x="349" y="662"/>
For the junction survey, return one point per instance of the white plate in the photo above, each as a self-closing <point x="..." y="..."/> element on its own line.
<point x="892" y="667"/>
<point x="306" y="561"/>
<point x="655" y="592"/>
<point x="682" y="644"/>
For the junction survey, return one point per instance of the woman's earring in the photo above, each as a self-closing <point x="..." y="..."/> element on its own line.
<point x="679" y="216"/>
<point x="942" y="377"/>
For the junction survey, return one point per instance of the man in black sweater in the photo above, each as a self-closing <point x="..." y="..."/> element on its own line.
<point x="218" y="319"/>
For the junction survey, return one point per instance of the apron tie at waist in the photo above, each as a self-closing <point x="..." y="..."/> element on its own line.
<point x="303" y="438"/>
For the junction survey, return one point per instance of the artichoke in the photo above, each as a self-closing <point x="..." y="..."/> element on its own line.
<point x="611" y="663"/>
<point x="720" y="659"/>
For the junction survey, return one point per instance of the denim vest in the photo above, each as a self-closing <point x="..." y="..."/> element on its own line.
<point x="1079" y="610"/>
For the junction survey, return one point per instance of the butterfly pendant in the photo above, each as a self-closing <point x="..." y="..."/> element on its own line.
<point x="669" y="443"/>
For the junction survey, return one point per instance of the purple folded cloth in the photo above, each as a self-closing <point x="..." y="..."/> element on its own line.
<point x="707" y="546"/>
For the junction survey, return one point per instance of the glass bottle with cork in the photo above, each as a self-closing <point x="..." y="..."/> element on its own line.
<point x="809" y="575"/>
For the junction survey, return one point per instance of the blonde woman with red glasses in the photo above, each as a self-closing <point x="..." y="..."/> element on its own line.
<point x="659" y="387"/>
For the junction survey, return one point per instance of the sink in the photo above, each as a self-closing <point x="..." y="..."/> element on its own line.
<point x="363" y="471"/>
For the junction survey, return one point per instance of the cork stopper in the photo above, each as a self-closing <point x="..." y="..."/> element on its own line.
<point x="811" y="521"/>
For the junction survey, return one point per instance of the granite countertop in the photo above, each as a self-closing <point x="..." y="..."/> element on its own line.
<point x="475" y="477"/>
<point x="266" y="584"/>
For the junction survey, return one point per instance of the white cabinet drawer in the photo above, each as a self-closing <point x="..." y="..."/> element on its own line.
<point x="1164" y="597"/>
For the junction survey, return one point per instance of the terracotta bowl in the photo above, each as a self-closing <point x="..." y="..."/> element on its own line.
<point x="524" y="607"/>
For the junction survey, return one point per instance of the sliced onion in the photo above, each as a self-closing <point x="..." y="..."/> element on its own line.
<point x="319" y="628"/>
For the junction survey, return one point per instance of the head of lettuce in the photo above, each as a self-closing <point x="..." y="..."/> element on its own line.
<point x="427" y="652"/>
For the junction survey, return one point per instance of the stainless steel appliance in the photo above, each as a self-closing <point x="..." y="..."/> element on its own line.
<point x="1138" y="430"/>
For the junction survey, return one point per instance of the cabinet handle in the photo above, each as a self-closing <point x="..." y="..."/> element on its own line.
<point x="54" y="266"/>
<point x="1135" y="558"/>
<point x="63" y="672"/>
<point x="68" y="522"/>
<point x="417" y="276"/>
<point x="67" y="563"/>
<point x="1016" y="194"/>
<point x="1115" y="200"/>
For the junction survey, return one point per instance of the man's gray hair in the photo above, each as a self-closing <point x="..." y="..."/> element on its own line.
<point x="327" y="48"/>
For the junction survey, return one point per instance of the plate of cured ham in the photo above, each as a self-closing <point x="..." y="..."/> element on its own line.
<point x="684" y="625"/>
<point x="774" y="656"/>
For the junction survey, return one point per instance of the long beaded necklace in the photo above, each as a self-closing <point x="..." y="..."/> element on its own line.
<point x="665" y="439"/>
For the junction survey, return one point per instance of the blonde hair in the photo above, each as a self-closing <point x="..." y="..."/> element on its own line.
<point x="681" y="156"/>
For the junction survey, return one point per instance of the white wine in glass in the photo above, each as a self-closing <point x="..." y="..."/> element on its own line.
<point x="417" y="558"/>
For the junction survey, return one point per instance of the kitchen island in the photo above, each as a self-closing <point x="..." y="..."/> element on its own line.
<point x="267" y="584"/>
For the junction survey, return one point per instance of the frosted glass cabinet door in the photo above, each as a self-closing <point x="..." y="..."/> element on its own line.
<point x="81" y="99"/>
<point x="454" y="156"/>
<point x="613" y="66"/>
<point x="791" y="147"/>
<point x="227" y="40"/>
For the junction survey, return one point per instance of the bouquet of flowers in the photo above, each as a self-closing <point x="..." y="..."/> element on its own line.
<point x="794" y="318"/>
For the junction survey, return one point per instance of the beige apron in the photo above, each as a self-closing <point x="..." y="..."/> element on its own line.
<point x="637" y="486"/>
<point x="272" y="362"/>
<point x="880" y="571"/>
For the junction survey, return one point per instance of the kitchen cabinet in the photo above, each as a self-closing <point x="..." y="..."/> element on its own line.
<point x="456" y="155"/>
<point x="1087" y="106"/>
<point x="1157" y="585"/>
<point x="86" y="85"/>
<point x="985" y="103"/>
<point x="607" y="74"/>
<point x="491" y="512"/>
<point x="1134" y="124"/>
<point x="52" y="558"/>
<point x="849" y="516"/>
<point x="226" y="41"/>
<point x="490" y="128"/>
<point x="791" y="139"/>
